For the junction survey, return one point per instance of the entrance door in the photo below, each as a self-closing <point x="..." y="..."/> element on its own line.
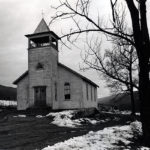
<point x="40" y="96"/>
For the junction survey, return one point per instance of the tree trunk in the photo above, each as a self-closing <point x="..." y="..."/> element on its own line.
<point x="131" y="84"/>
<point x="132" y="102"/>
<point x="144" y="94"/>
<point x="142" y="44"/>
<point x="131" y="93"/>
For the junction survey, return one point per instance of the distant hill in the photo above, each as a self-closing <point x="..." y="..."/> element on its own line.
<point x="121" y="101"/>
<point x="8" y="93"/>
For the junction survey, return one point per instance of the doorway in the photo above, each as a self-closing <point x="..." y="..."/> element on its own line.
<point x="40" y="96"/>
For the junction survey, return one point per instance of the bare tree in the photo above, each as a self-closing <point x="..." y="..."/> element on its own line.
<point x="137" y="10"/>
<point x="123" y="64"/>
<point x="122" y="61"/>
<point x="118" y="66"/>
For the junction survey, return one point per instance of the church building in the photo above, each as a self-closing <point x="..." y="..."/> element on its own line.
<point x="47" y="82"/>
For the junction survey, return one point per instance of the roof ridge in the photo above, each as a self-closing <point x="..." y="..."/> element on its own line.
<point x="77" y="73"/>
<point x="66" y="67"/>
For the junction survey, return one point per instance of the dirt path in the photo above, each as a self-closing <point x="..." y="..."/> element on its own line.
<point x="32" y="133"/>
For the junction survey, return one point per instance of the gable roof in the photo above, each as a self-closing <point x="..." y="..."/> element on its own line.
<point x="67" y="68"/>
<point x="78" y="74"/>
<point x="42" y="27"/>
<point x="21" y="77"/>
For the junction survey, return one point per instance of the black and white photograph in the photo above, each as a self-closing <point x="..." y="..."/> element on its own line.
<point x="74" y="75"/>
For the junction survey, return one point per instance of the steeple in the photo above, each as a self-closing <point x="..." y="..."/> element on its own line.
<point x="42" y="27"/>
<point x="42" y="37"/>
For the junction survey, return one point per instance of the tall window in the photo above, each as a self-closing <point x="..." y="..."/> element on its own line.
<point x="87" y="94"/>
<point x="91" y="93"/>
<point x="95" y="95"/>
<point x="67" y="91"/>
<point x="55" y="84"/>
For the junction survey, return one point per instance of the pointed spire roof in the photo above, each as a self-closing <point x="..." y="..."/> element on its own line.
<point x="42" y="27"/>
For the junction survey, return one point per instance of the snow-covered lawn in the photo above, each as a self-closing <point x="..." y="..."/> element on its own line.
<point x="40" y="116"/>
<point x="112" y="138"/>
<point x="125" y="112"/>
<point x="20" y="116"/>
<point x="64" y="118"/>
<point x="8" y="103"/>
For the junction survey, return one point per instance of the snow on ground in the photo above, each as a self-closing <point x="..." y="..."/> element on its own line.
<point x="20" y="116"/>
<point x="106" y="139"/>
<point x="125" y="112"/>
<point x="64" y="118"/>
<point x="8" y="103"/>
<point x="40" y="116"/>
<point x="138" y="114"/>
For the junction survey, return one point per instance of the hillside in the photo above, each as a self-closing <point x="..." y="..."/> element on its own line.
<point x="7" y="93"/>
<point x="122" y="101"/>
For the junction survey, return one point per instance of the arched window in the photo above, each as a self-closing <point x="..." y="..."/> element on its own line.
<point x="67" y="95"/>
<point x="39" y="66"/>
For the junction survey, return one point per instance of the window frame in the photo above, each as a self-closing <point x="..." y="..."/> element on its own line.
<point x="39" y="66"/>
<point x="67" y="91"/>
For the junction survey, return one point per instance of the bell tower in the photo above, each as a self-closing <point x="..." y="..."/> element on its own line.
<point x="42" y="65"/>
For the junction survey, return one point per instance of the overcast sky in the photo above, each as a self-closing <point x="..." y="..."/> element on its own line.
<point x="21" y="17"/>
